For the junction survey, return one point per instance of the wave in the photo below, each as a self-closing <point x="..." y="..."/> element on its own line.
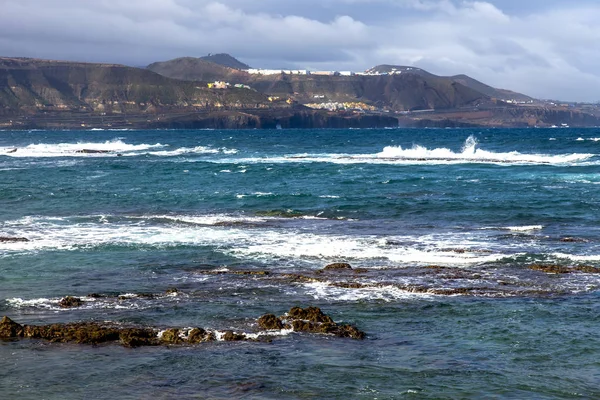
<point x="418" y="154"/>
<point x="524" y="228"/>
<point x="470" y="153"/>
<point x="109" y="148"/>
<point x="272" y="239"/>
<point x="389" y="293"/>
<point x="240" y="237"/>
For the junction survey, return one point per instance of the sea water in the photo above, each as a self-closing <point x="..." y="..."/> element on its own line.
<point x="446" y="226"/>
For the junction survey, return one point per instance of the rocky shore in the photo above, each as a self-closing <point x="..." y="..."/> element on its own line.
<point x="308" y="320"/>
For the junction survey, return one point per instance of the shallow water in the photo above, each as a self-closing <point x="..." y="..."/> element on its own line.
<point x="446" y="224"/>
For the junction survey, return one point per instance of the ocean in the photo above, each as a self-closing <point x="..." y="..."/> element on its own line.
<point x="475" y="256"/>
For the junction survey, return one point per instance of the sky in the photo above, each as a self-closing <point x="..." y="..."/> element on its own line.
<point x="548" y="49"/>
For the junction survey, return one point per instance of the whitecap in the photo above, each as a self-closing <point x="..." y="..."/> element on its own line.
<point x="417" y="154"/>
<point x="79" y="149"/>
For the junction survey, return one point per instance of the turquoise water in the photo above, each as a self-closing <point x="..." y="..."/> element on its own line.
<point x="162" y="209"/>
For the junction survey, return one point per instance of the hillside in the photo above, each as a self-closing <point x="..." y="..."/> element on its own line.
<point x="464" y="80"/>
<point x="30" y="86"/>
<point x="195" y="69"/>
<point x="501" y="94"/>
<point x="50" y="94"/>
<point x="395" y="93"/>
<point x="400" y="92"/>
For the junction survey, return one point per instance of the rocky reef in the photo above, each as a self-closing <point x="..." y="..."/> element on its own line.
<point x="309" y="320"/>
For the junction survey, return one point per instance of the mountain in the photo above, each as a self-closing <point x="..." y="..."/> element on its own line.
<point x="33" y="85"/>
<point x="195" y="69"/>
<point x="225" y="60"/>
<point x="393" y="92"/>
<point x="500" y="94"/>
<point x="398" y="92"/>
<point x="52" y="94"/>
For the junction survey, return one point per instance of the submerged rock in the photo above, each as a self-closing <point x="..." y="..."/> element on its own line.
<point x="588" y="269"/>
<point x="551" y="269"/>
<point x="7" y="239"/>
<point x="92" y="151"/>
<point x="337" y="267"/>
<point x="573" y="240"/>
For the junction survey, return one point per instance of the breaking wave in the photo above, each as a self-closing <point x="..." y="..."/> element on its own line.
<point x="109" y="148"/>
<point x="417" y="154"/>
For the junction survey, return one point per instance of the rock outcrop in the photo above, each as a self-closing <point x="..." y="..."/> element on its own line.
<point x="7" y="239"/>
<point x="70" y="302"/>
<point x="309" y="320"/>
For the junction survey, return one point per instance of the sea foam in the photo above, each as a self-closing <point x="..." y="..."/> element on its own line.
<point x="417" y="154"/>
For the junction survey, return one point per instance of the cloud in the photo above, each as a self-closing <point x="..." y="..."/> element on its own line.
<point x="543" y="48"/>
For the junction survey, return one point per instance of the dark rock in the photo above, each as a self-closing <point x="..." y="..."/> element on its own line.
<point x="270" y="322"/>
<point x="349" y="285"/>
<point x="91" y="151"/>
<point x="136" y="337"/>
<point x="293" y="278"/>
<point x="337" y="266"/>
<point x="313" y="314"/>
<point x="83" y="333"/>
<point x="172" y="291"/>
<point x="10" y="329"/>
<point x="588" y="269"/>
<point x="230" y="336"/>
<point x="573" y="240"/>
<point x="70" y="302"/>
<point x="171" y="336"/>
<point x="551" y="269"/>
<point x="313" y="320"/>
<point x="350" y="332"/>
<point x="451" y="291"/>
<point x="6" y="239"/>
<point x="360" y="270"/>
<point x="199" y="335"/>
<point x="257" y="273"/>
<point x="95" y="296"/>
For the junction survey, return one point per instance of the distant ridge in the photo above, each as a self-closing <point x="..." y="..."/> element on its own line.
<point x="464" y="80"/>
<point x="53" y="94"/>
<point x="225" y="60"/>
<point x="195" y="69"/>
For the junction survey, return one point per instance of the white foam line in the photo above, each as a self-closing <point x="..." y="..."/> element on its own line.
<point x="572" y="257"/>
<point x="422" y="155"/>
<point x="263" y="244"/>
<point x="111" y="148"/>
<point x="323" y="290"/>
